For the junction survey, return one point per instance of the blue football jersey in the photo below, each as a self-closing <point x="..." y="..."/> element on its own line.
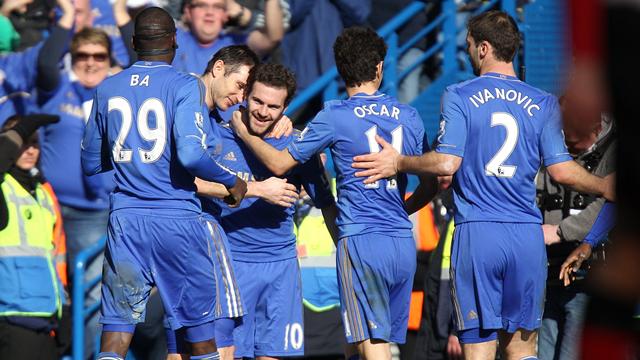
<point x="147" y="123"/>
<point x="257" y="230"/>
<point x="503" y="129"/>
<point x="348" y="128"/>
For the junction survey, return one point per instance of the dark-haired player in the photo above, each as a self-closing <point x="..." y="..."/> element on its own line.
<point x="494" y="133"/>
<point x="376" y="250"/>
<point x="149" y="123"/>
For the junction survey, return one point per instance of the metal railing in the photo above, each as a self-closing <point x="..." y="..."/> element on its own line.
<point x="79" y="311"/>
<point x="328" y="85"/>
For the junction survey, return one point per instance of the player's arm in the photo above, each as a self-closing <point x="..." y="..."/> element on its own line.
<point x="193" y="137"/>
<point x="570" y="173"/>
<point x="95" y="153"/>
<point x="277" y="161"/>
<point x="273" y="190"/>
<point x="317" y="183"/>
<point x="330" y="214"/>
<point x="424" y="193"/>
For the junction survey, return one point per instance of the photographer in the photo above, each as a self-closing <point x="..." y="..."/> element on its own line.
<point x="568" y="216"/>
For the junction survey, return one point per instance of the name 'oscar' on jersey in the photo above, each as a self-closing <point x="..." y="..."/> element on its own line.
<point x="149" y="118"/>
<point x="503" y="129"/>
<point x="348" y="127"/>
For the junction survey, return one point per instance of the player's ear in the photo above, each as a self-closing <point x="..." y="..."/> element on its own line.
<point x="483" y="48"/>
<point x="217" y="70"/>
<point x="379" y="69"/>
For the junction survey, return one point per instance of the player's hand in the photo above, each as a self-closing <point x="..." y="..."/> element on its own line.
<point x="237" y="122"/>
<point x="278" y="192"/>
<point x="550" y="234"/>
<point x="380" y="165"/>
<point x="236" y="193"/>
<point x="454" y="350"/>
<point x="283" y="127"/>
<point x="444" y="182"/>
<point x="610" y="190"/>
<point x="573" y="263"/>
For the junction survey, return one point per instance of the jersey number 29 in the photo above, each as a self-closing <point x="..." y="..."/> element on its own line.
<point x="158" y="135"/>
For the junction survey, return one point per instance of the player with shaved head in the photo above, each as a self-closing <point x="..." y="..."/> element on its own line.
<point x="148" y="124"/>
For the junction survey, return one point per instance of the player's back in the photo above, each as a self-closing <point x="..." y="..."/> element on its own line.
<point x="377" y="207"/>
<point x="137" y="110"/>
<point x="510" y="128"/>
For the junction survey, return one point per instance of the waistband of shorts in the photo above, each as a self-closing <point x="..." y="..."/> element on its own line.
<point x="162" y="213"/>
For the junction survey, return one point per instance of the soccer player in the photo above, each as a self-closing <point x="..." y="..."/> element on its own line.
<point x="261" y="232"/>
<point x="147" y="123"/>
<point x="494" y="132"/>
<point x="376" y="250"/>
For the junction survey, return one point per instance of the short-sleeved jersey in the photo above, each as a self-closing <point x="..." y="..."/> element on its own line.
<point x="192" y="57"/>
<point x="348" y="127"/>
<point x="147" y="123"/>
<point x="257" y="230"/>
<point x="503" y="129"/>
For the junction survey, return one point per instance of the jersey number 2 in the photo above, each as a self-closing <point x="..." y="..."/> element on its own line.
<point x="495" y="166"/>
<point x="158" y="135"/>
<point x="374" y="147"/>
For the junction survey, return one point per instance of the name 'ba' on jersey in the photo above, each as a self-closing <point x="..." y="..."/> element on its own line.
<point x="147" y="122"/>
<point x="503" y="129"/>
<point x="349" y="128"/>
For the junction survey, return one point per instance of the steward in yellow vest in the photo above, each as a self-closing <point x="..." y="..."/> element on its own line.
<point x="31" y="291"/>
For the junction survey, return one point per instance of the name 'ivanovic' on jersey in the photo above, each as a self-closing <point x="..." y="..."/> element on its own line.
<point x="483" y="96"/>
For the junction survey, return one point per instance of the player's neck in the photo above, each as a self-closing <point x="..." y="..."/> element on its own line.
<point x="498" y="67"/>
<point x="368" y="88"/>
<point x="208" y="96"/>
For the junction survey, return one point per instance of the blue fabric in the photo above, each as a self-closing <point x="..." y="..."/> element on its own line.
<point x="273" y="325"/>
<point x="159" y="157"/>
<point x="103" y="19"/>
<point x="60" y="150"/>
<point x="479" y="119"/>
<point x="108" y="356"/>
<point x="162" y="248"/>
<point x="127" y="328"/>
<point x="499" y="273"/>
<point x="199" y="333"/>
<point x="307" y="48"/>
<point x="224" y="332"/>
<point x="604" y="223"/>
<point x="26" y="285"/>
<point x="477" y="335"/>
<point x="257" y="230"/>
<point x="343" y="127"/>
<point x="191" y="57"/>
<point x="564" y="314"/>
<point x="210" y="356"/>
<point x="17" y="81"/>
<point x="375" y="275"/>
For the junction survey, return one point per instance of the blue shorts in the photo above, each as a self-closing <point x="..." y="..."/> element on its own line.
<point x="161" y="248"/>
<point x="272" y="293"/>
<point x="228" y="300"/>
<point x="498" y="273"/>
<point x="375" y="278"/>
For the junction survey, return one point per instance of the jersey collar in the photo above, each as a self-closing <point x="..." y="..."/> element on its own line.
<point x="500" y="76"/>
<point x="150" y="64"/>
<point x="375" y="95"/>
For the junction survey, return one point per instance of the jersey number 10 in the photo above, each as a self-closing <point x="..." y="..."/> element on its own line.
<point x="157" y="135"/>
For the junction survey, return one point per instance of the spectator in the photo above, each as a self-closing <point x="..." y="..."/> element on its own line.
<point x="68" y="93"/>
<point x="307" y="47"/>
<point x="205" y="20"/>
<point x="17" y="80"/>
<point x="30" y="18"/>
<point x="32" y="268"/>
<point x="381" y="12"/>
<point x="568" y="215"/>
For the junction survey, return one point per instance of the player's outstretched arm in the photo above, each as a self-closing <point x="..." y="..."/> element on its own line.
<point x="570" y="173"/>
<point x="426" y="190"/>
<point x="278" y="162"/>
<point x="273" y="190"/>
<point x="389" y="162"/>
